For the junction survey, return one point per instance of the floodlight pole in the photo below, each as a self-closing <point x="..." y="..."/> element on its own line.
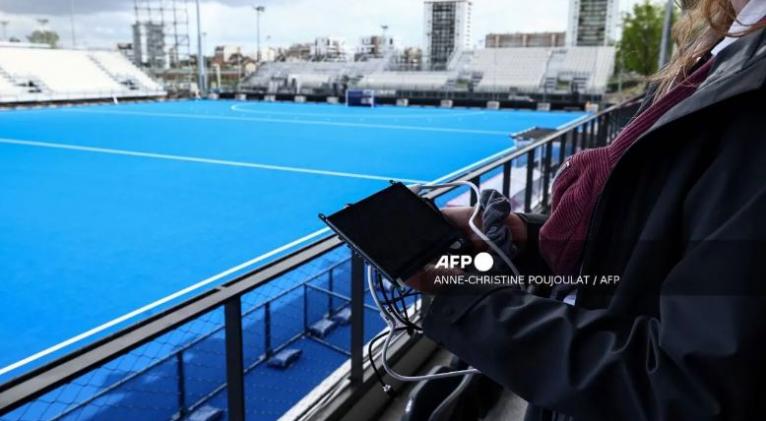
<point x="201" y="79"/>
<point x="258" y="11"/>
<point x="4" y="24"/>
<point x="384" y="49"/>
<point x="666" y="28"/>
<point x="71" y="23"/>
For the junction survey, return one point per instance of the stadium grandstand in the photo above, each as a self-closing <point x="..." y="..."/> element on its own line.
<point x="573" y="74"/>
<point x="30" y="74"/>
<point x="309" y="77"/>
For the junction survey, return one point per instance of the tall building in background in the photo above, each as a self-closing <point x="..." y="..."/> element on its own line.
<point x="149" y="45"/>
<point x="447" y="27"/>
<point x="329" y="49"/>
<point x="592" y="23"/>
<point x="375" y="46"/>
<point x="161" y="34"/>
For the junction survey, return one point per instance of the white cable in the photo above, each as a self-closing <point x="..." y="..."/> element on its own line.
<point x="472" y="221"/>
<point x="392" y="326"/>
<point x="391" y="322"/>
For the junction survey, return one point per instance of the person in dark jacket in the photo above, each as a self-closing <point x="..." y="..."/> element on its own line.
<point x="676" y="207"/>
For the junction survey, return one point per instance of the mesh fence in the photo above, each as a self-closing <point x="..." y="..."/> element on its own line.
<point x="183" y="372"/>
<point x="154" y="381"/>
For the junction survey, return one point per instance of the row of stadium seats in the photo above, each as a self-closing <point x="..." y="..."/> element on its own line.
<point x="492" y="70"/>
<point x="510" y="68"/>
<point x="41" y="74"/>
<point x="298" y="76"/>
<point x="428" y="81"/>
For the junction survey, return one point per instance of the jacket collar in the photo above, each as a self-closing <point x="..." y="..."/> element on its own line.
<point x="739" y="68"/>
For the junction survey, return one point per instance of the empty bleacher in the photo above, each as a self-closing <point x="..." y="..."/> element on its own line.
<point x="428" y="81"/>
<point x="526" y="71"/>
<point x="122" y="70"/>
<point x="533" y="70"/>
<point x="505" y="69"/>
<point x="43" y="75"/>
<point x="296" y="77"/>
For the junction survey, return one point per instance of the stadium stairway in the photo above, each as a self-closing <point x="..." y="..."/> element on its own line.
<point x="130" y="83"/>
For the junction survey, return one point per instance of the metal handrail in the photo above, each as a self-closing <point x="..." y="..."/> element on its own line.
<point x="37" y="382"/>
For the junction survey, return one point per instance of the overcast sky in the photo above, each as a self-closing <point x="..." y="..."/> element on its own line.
<point x="102" y="23"/>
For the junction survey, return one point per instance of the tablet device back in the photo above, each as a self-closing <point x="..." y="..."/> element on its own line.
<point x="396" y="231"/>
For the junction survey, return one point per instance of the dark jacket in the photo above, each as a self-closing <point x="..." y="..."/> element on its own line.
<point x="682" y="221"/>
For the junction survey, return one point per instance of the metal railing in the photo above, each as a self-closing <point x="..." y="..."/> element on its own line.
<point x="207" y="351"/>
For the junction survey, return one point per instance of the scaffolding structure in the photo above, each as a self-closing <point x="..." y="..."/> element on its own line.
<point x="161" y="38"/>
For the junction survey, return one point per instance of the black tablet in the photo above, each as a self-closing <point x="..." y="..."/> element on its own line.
<point x="396" y="231"/>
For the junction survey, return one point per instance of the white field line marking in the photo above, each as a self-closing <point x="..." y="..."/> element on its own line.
<point x="436" y="115"/>
<point x="201" y="160"/>
<point x="156" y="304"/>
<point x="294" y="121"/>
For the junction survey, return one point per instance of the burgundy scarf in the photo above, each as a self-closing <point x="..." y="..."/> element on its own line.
<point x="582" y="178"/>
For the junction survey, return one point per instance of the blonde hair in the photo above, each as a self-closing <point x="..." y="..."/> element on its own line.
<point x="702" y="24"/>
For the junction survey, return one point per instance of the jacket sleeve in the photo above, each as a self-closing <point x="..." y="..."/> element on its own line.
<point x="529" y="260"/>
<point x="703" y="359"/>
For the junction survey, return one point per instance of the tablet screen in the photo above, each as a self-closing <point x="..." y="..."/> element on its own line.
<point x="396" y="230"/>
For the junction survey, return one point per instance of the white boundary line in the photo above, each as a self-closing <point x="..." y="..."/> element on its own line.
<point x="242" y="108"/>
<point x="294" y="121"/>
<point x="151" y="155"/>
<point x="151" y="306"/>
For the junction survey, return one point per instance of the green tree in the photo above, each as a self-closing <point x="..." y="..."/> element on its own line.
<point x="44" y="37"/>
<point x="639" y="48"/>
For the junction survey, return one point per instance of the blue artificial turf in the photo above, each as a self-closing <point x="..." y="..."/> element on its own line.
<point x="89" y="235"/>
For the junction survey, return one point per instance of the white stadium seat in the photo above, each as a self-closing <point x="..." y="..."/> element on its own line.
<point x="42" y="74"/>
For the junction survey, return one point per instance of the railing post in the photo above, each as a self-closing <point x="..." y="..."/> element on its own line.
<point x="476" y="182"/>
<point x="597" y="127"/>
<point x="357" y="319"/>
<point x="331" y="287"/>
<point x="305" y="308"/>
<point x="507" y="171"/>
<point x="530" y="181"/>
<point x="563" y="148"/>
<point x="547" y="173"/>
<point x="235" y="367"/>
<point x="606" y="136"/>
<point x="181" y="384"/>
<point x="267" y="329"/>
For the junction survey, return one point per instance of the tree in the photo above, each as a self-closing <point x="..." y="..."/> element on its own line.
<point x="639" y="48"/>
<point x="44" y="37"/>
